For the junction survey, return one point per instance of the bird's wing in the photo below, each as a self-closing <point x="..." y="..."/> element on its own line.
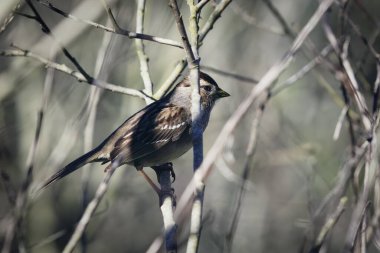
<point x="154" y="129"/>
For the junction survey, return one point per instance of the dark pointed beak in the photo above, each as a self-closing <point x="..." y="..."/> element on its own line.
<point x="221" y="93"/>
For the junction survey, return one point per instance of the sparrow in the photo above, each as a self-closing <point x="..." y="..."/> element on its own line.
<point x="155" y="135"/>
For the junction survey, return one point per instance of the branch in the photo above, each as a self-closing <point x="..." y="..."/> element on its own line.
<point x="101" y="70"/>
<point x="246" y="16"/>
<point x="181" y="65"/>
<point x="77" y="75"/>
<point x="143" y="58"/>
<point x="167" y="205"/>
<point x="265" y="83"/>
<point x="22" y="199"/>
<point x="90" y="210"/>
<point x="47" y="30"/>
<point x="229" y="74"/>
<point x="329" y="224"/>
<point x="192" y="56"/>
<point x="201" y="4"/>
<point x="10" y="17"/>
<point x="116" y="30"/>
<point x="250" y="152"/>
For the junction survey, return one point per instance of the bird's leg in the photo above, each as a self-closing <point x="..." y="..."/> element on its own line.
<point x="149" y="180"/>
<point x="164" y="172"/>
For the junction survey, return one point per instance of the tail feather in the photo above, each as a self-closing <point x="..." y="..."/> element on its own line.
<point x="71" y="167"/>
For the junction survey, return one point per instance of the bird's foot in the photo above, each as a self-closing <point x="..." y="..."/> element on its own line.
<point x="167" y="193"/>
<point x="165" y="166"/>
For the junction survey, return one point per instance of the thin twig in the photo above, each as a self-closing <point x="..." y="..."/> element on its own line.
<point x="308" y="48"/>
<point x="90" y="210"/>
<point x="116" y="30"/>
<point x="279" y="17"/>
<point x="22" y="200"/>
<point x="348" y="79"/>
<point x="250" y="152"/>
<point x="77" y="75"/>
<point x="10" y="17"/>
<point x="329" y="224"/>
<point x="251" y="20"/>
<point x="100" y="71"/>
<point x="229" y="74"/>
<point x="265" y="83"/>
<point x="303" y="71"/>
<point x="339" y="123"/>
<point x="143" y="58"/>
<point x="181" y="65"/>
<point x="343" y="179"/>
<point x="46" y="30"/>
<point x="214" y="16"/>
<point x="370" y="172"/>
<point x="201" y="4"/>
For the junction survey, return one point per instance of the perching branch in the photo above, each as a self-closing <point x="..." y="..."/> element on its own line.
<point x="191" y="49"/>
<point x="265" y="83"/>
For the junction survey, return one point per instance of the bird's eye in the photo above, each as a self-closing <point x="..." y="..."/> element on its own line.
<point x="207" y="88"/>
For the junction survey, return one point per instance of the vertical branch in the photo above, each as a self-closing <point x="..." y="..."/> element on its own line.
<point x="191" y="48"/>
<point x="197" y="131"/>
<point x="167" y="205"/>
<point x="21" y="205"/>
<point x="167" y="198"/>
<point x="143" y="58"/>
<point x="93" y="101"/>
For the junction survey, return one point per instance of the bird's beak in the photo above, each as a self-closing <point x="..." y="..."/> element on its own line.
<point x="221" y="93"/>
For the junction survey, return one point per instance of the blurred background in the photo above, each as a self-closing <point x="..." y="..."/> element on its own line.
<point x="296" y="160"/>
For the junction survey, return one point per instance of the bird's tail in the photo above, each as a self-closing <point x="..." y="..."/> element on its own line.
<point x="71" y="167"/>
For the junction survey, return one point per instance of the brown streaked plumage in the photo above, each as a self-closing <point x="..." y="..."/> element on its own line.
<point x="157" y="134"/>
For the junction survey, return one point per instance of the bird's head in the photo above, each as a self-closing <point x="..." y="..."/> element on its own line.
<point x="209" y="89"/>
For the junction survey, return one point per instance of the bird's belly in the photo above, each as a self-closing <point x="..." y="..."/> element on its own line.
<point x="166" y="154"/>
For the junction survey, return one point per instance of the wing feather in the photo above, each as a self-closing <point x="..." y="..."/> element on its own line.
<point x="155" y="129"/>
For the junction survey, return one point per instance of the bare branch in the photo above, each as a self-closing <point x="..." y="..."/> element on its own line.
<point x="265" y="83"/>
<point x="201" y="4"/>
<point x="329" y="224"/>
<point x="143" y="58"/>
<point x="181" y="65"/>
<point x="90" y="210"/>
<point x="250" y="152"/>
<point x="117" y="29"/>
<point x="77" y="75"/>
<point x="22" y="199"/>
<point x="10" y="17"/>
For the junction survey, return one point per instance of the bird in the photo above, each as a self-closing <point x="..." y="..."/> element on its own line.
<point x="155" y="135"/>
